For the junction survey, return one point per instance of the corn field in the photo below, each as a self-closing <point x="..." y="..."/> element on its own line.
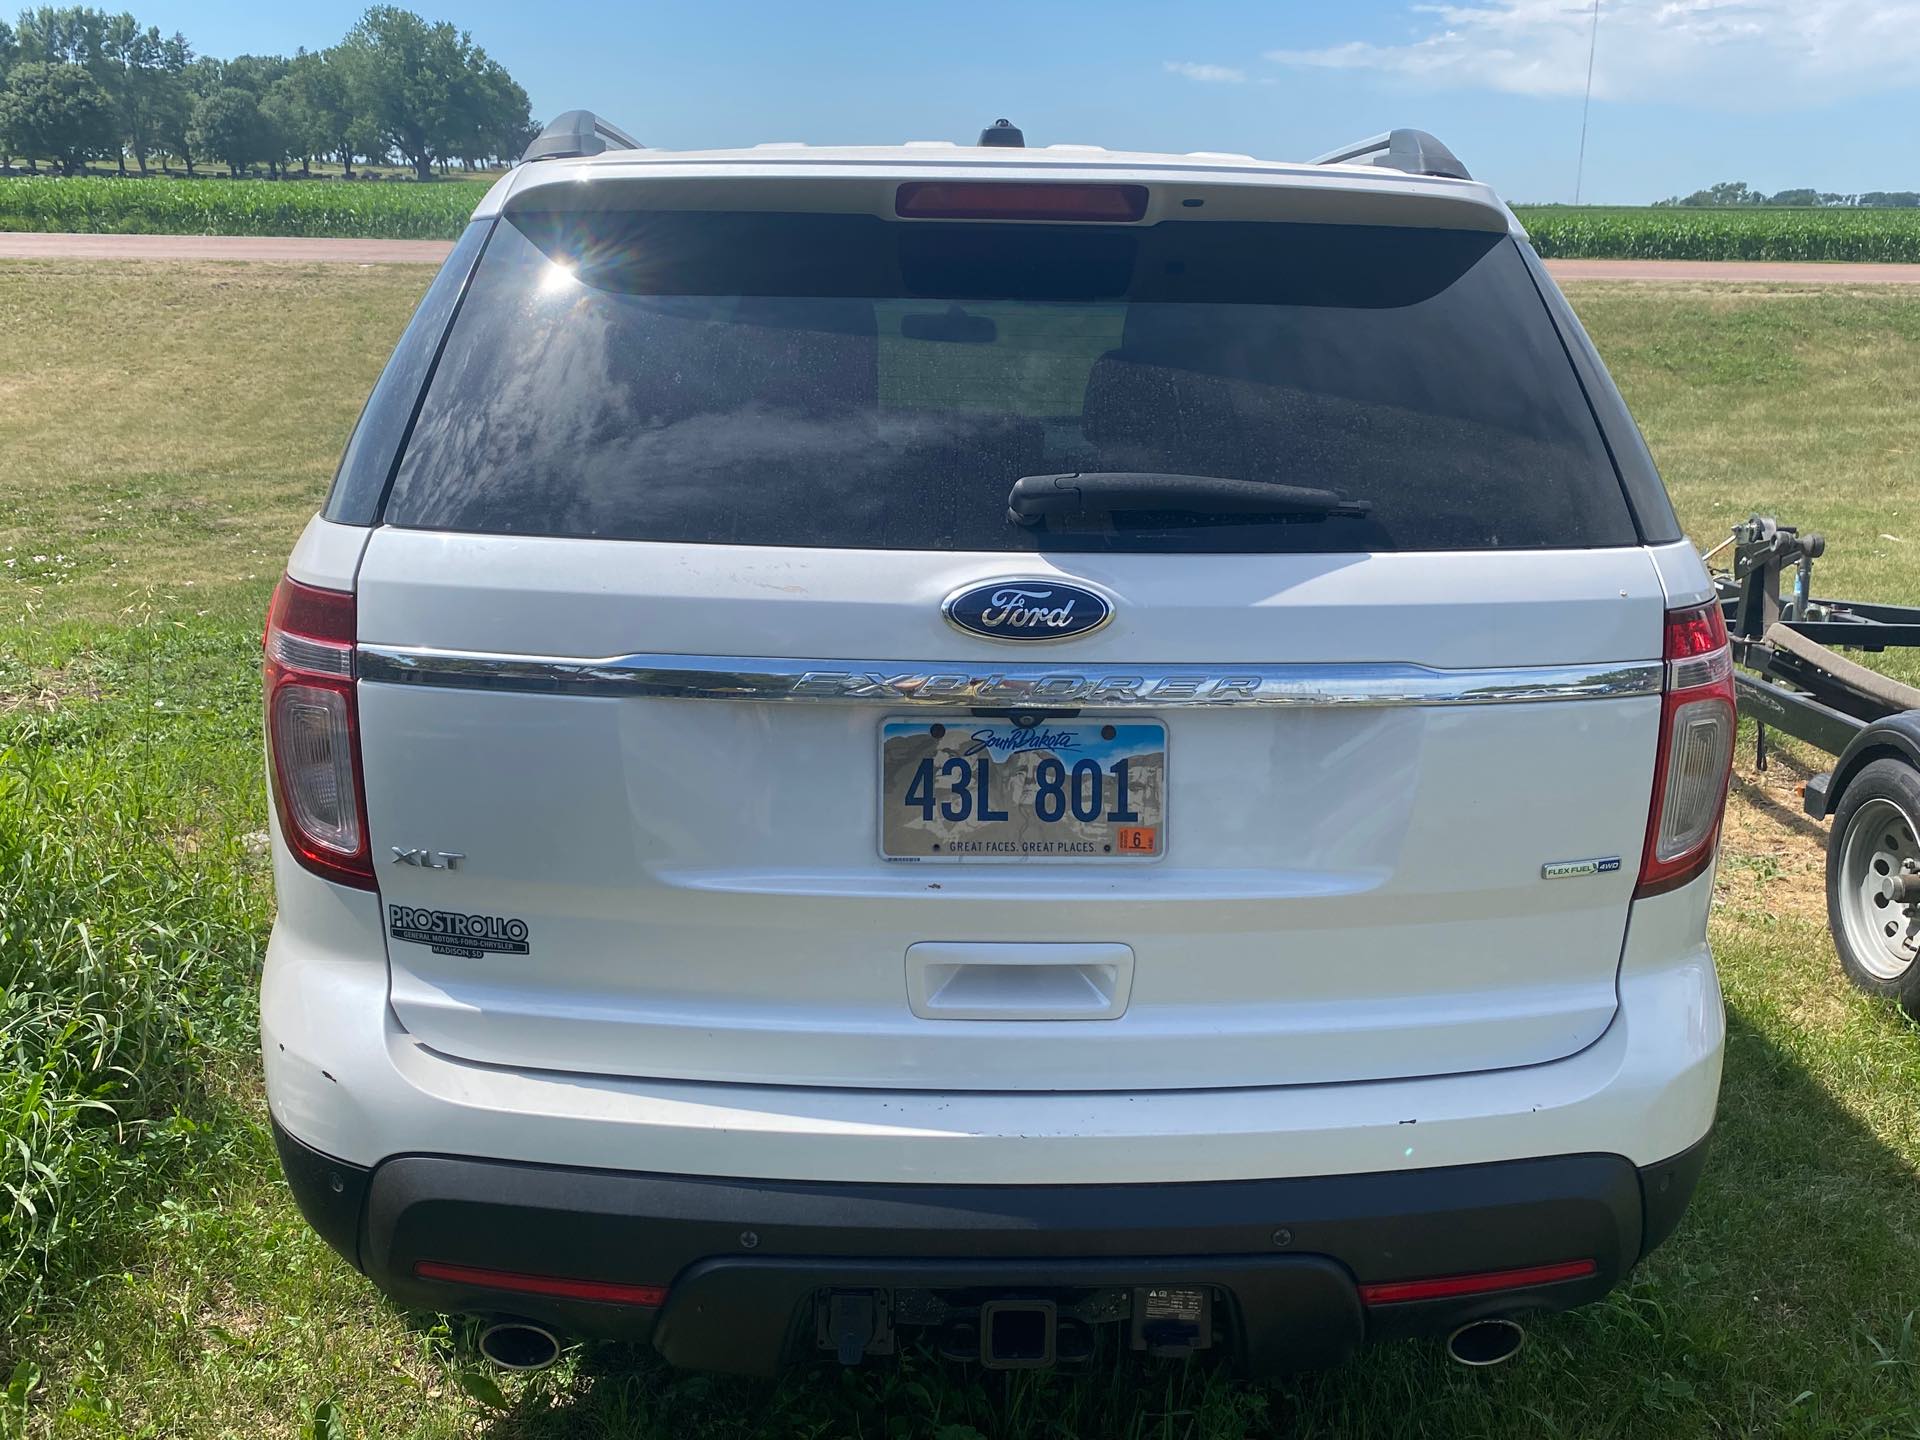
<point x="1756" y="233"/>
<point x="397" y="210"/>
<point x="388" y="210"/>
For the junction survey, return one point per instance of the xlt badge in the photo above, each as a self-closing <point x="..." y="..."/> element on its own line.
<point x="427" y="859"/>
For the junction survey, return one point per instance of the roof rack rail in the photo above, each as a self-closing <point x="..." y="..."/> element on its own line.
<point x="1414" y="151"/>
<point x="578" y="132"/>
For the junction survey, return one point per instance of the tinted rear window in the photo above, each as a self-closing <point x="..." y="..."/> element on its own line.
<point x="375" y="443"/>
<point x="836" y="380"/>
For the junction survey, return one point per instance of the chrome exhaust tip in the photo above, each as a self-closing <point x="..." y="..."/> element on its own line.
<point x="519" y="1345"/>
<point x="1485" y="1342"/>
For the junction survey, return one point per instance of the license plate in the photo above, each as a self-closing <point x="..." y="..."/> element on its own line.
<point x="959" y="788"/>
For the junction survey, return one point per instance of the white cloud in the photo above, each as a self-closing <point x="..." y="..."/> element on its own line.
<point x="1734" y="53"/>
<point x="1208" y="74"/>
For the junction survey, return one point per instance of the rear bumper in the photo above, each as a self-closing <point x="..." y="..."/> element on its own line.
<point x="399" y="1154"/>
<point x="746" y="1263"/>
<point x="348" y="1080"/>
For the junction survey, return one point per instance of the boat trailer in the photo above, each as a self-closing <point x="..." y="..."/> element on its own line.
<point x="1792" y="678"/>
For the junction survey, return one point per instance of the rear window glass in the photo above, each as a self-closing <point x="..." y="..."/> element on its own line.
<point x="375" y="443"/>
<point x="848" y="381"/>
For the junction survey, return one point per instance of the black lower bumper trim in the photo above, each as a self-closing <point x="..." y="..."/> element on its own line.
<point x="1666" y="1190"/>
<point x="746" y="1260"/>
<point x="1291" y="1312"/>
<point x="330" y="1194"/>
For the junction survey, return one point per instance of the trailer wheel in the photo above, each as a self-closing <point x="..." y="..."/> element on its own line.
<point x="1873" y="882"/>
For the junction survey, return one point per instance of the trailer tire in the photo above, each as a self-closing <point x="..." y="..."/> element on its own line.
<point x="1873" y="863"/>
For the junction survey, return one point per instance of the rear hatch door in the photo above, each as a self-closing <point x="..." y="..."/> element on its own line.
<point x="656" y="639"/>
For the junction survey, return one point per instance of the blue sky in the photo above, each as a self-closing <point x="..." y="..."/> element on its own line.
<point x="1686" y="92"/>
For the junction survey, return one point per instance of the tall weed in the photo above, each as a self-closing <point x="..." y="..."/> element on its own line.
<point x="132" y="915"/>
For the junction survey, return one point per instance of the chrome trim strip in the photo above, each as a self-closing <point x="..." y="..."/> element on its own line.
<point x="1110" y="687"/>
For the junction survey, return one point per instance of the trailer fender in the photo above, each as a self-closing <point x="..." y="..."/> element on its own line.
<point x="1896" y="737"/>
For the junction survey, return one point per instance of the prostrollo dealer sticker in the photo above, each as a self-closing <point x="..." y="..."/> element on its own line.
<point x="469" y="936"/>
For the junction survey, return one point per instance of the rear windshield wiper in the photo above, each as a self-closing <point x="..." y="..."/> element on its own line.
<point x="1035" y="497"/>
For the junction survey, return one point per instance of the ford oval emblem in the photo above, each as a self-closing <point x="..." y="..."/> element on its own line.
<point x="1027" y="610"/>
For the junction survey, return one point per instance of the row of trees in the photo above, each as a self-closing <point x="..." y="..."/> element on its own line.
<point x="78" y="85"/>
<point x="1737" y="192"/>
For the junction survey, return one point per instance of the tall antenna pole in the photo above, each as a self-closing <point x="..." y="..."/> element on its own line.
<point x="1593" y="41"/>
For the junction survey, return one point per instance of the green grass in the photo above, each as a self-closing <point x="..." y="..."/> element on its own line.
<point x="1759" y="233"/>
<point x="133" y="922"/>
<point x="219" y="206"/>
<point x="164" y="458"/>
<point x="1793" y="403"/>
<point x="155" y="1279"/>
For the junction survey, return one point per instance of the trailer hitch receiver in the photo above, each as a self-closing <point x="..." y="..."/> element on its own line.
<point x="1018" y="1334"/>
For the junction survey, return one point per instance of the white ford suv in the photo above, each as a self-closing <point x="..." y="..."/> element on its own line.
<point x="1041" y="749"/>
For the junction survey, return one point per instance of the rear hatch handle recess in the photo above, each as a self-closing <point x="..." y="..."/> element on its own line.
<point x="1035" y="497"/>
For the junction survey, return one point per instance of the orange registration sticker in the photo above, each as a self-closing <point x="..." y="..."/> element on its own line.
<point x="1136" y="839"/>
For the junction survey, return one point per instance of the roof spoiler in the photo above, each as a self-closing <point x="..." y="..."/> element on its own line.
<point x="1414" y="151"/>
<point x="578" y="132"/>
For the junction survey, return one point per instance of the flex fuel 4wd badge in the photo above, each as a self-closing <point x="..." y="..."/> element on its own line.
<point x="451" y="933"/>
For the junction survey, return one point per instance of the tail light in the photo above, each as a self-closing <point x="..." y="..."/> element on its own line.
<point x="1697" y="720"/>
<point x="313" y="731"/>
